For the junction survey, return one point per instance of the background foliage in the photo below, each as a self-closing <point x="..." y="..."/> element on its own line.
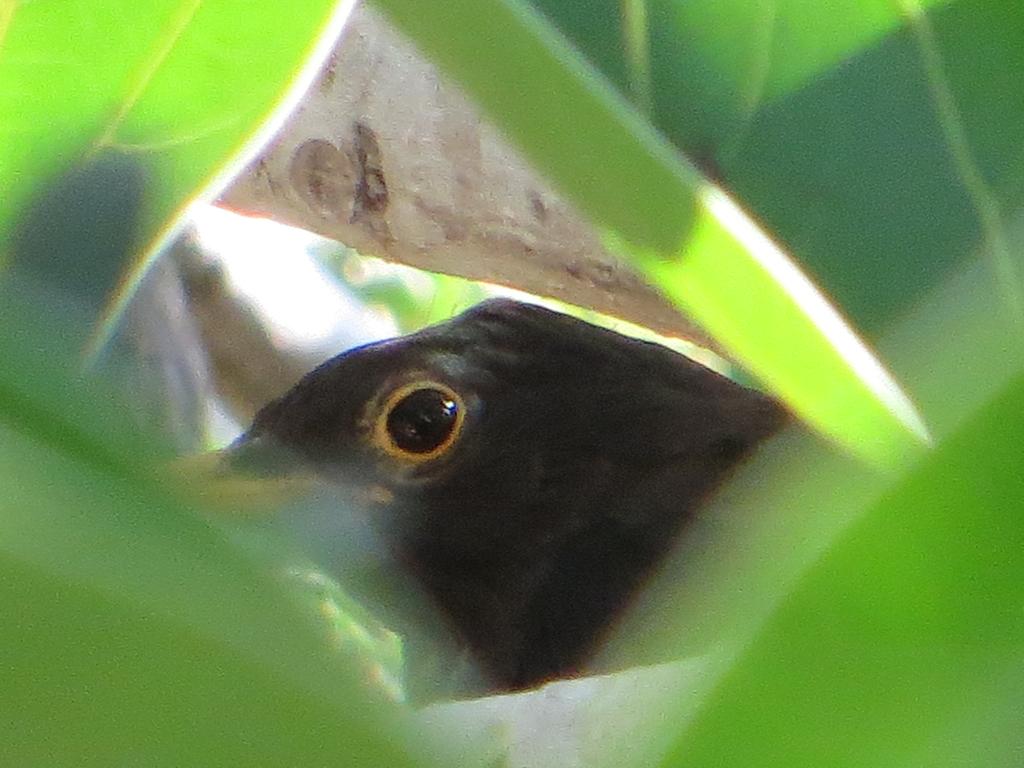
<point x="857" y="616"/>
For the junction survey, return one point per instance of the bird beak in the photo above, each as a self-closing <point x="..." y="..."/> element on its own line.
<point x="251" y="478"/>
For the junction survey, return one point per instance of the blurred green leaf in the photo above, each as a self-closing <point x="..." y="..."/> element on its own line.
<point x="788" y="510"/>
<point x="136" y="633"/>
<point x="901" y="163"/>
<point x="178" y="86"/>
<point x="700" y="248"/>
<point x="904" y="637"/>
<point x="880" y="141"/>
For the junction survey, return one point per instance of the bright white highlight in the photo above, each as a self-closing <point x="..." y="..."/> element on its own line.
<point x="302" y="305"/>
<point x="850" y="348"/>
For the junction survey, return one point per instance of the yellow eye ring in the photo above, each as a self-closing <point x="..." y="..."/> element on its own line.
<point x="419" y="421"/>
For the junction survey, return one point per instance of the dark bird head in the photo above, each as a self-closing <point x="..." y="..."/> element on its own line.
<point x="525" y="468"/>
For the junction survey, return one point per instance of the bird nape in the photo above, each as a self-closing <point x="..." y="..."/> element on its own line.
<point x="524" y="469"/>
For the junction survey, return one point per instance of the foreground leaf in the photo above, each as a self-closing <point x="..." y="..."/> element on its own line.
<point x="904" y="644"/>
<point x="136" y="632"/>
<point x="179" y="86"/>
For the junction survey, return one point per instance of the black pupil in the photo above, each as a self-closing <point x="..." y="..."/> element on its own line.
<point x="422" y="420"/>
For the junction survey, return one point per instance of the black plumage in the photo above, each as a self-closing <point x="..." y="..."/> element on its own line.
<point x="529" y="469"/>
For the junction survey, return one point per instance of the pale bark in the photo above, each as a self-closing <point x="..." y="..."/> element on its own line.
<point x="387" y="156"/>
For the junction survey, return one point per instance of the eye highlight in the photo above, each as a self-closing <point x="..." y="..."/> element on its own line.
<point x="419" y="421"/>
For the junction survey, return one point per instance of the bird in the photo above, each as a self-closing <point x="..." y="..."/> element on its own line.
<point x="526" y="471"/>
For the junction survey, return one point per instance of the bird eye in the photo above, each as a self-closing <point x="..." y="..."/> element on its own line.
<point x="420" y="421"/>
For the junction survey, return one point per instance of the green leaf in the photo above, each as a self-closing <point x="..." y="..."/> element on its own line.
<point x="699" y="247"/>
<point x="177" y="85"/>
<point x="901" y="164"/>
<point x="879" y="140"/>
<point x="903" y="643"/>
<point x="136" y="631"/>
<point x="793" y="506"/>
